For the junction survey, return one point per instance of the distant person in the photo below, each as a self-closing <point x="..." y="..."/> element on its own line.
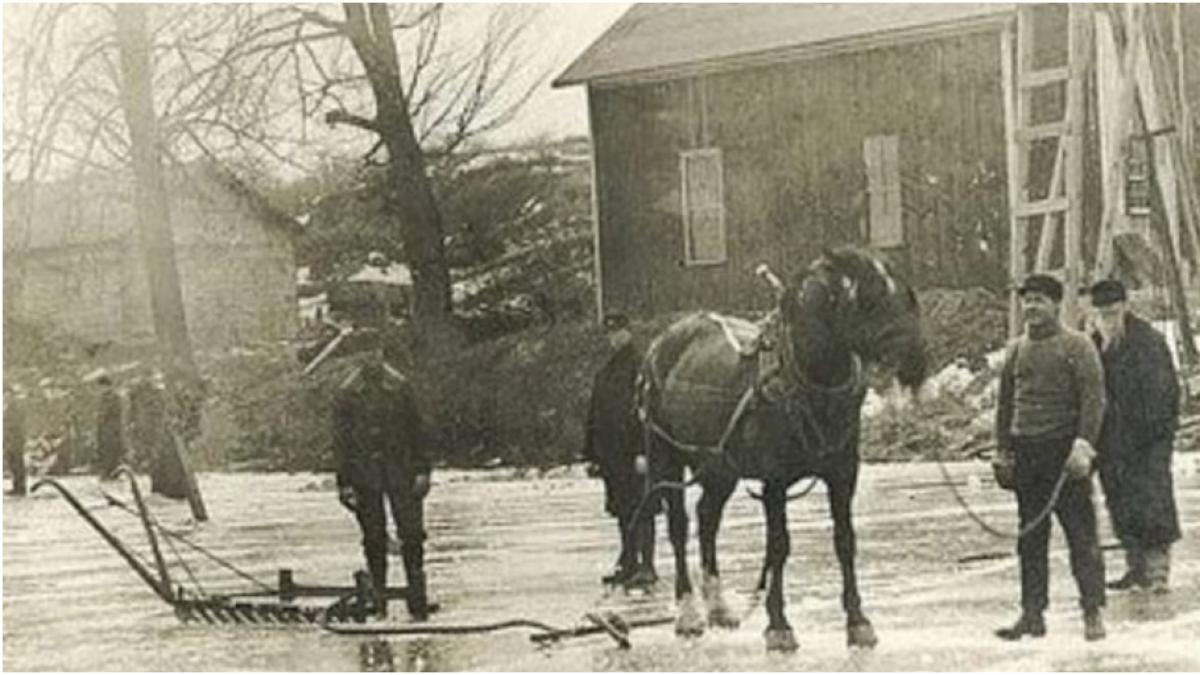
<point x="380" y="447"/>
<point x="1138" y="438"/>
<point x="150" y="439"/>
<point x="612" y="445"/>
<point x="1050" y="408"/>
<point x="110" y="438"/>
<point x="14" y="437"/>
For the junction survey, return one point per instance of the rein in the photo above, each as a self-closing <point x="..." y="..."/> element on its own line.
<point x="1042" y="515"/>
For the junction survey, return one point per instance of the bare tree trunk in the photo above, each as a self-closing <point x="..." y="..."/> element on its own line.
<point x="153" y="214"/>
<point x="410" y="196"/>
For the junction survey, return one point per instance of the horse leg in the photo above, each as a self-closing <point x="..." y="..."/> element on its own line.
<point x="779" y="632"/>
<point x="708" y="512"/>
<point x="689" y="622"/>
<point x="859" y="632"/>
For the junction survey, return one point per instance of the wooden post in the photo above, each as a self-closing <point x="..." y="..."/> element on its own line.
<point x="1079" y="43"/>
<point x="1116" y="91"/>
<point x="1016" y="178"/>
<point x="1185" y="106"/>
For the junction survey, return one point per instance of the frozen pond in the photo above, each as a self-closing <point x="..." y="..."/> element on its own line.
<point x="503" y="548"/>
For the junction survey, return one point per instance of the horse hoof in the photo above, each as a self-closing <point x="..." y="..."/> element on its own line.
<point x="721" y="616"/>
<point x="781" y="640"/>
<point x="861" y="635"/>
<point x="689" y="623"/>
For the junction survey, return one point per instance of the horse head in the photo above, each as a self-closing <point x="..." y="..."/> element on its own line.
<point x="850" y="302"/>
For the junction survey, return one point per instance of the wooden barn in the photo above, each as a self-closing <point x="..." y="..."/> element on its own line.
<point x="71" y="260"/>
<point x="727" y="135"/>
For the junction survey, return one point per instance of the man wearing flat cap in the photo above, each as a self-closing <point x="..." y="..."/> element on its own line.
<point x="380" y="446"/>
<point x="1050" y="407"/>
<point x="612" y="447"/>
<point x="1137" y="438"/>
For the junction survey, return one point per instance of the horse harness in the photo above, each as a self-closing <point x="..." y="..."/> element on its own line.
<point x="779" y="383"/>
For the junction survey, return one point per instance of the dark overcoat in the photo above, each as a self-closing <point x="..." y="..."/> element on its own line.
<point x="612" y="438"/>
<point x="110" y="441"/>
<point x="378" y="435"/>
<point x="1138" y="435"/>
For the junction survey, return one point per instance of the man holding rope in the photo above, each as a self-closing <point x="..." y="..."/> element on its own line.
<point x="1050" y="408"/>
<point x="1137" y="438"/>
<point x="612" y="447"/>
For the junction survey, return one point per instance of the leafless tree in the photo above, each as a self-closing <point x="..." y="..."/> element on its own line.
<point x="429" y="95"/>
<point x="241" y="84"/>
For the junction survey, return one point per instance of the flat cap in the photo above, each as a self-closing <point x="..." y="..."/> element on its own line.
<point x="1044" y="284"/>
<point x="1107" y="292"/>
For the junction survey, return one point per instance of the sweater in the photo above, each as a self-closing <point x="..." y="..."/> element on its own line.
<point x="1051" y="387"/>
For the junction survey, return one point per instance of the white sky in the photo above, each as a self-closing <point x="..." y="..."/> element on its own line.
<point x="565" y="30"/>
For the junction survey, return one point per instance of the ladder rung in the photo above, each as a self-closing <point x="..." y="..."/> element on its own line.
<point x="1038" y="208"/>
<point x="1049" y="130"/>
<point x="1038" y="78"/>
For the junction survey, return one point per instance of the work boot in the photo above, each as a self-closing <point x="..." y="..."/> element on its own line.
<point x="370" y="602"/>
<point x="1029" y="624"/>
<point x="415" y="598"/>
<point x="377" y="597"/>
<point x="1158" y="569"/>
<point x="1135" y="571"/>
<point x="619" y="575"/>
<point x="644" y="577"/>
<point x="1093" y="625"/>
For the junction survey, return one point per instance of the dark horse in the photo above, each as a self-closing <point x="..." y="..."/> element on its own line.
<point x="727" y="413"/>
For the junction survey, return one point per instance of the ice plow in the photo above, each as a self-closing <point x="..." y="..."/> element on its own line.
<point x="284" y="602"/>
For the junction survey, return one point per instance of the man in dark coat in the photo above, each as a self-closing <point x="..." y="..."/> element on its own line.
<point x="1049" y="410"/>
<point x="14" y="438"/>
<point x="151" y="439"/>
<point x="1137" y="438"/>
<point x="612" y="442"/>
<point x="379" y="443"/>
<point x="110" y="437"/>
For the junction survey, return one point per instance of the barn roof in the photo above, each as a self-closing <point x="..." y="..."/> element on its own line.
<point x="653" y="41"/>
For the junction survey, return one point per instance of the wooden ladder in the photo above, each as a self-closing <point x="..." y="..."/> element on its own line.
<point x="1055" y="212"/>
<point x="1146" y="102"/>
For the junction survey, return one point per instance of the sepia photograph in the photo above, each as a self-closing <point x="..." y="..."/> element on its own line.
<point x="583" y="337"/>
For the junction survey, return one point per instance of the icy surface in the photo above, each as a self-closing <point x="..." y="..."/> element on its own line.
<point x="502" y="547"/>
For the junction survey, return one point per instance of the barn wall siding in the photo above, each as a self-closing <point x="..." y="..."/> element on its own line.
<point x="792" y="137"/>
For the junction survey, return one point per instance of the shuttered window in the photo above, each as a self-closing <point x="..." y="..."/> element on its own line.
<point x="703" y="207"/>
<point x="882" y="157"/>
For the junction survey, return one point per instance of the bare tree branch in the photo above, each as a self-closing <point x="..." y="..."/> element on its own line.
<point x="334" y="117"/>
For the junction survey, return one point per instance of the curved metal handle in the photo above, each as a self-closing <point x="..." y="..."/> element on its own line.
<point x="156" y="585"/>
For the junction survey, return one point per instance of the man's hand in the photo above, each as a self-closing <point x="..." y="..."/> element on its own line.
<point x="421" y="485"/>
<point x="347" y="498"/>
<point x="1079" y="463"/>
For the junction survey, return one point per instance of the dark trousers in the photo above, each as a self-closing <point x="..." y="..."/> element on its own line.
<point x="624" y="491"/>
<point x="408" y="513"/>
<point x="1038" y="465"/>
